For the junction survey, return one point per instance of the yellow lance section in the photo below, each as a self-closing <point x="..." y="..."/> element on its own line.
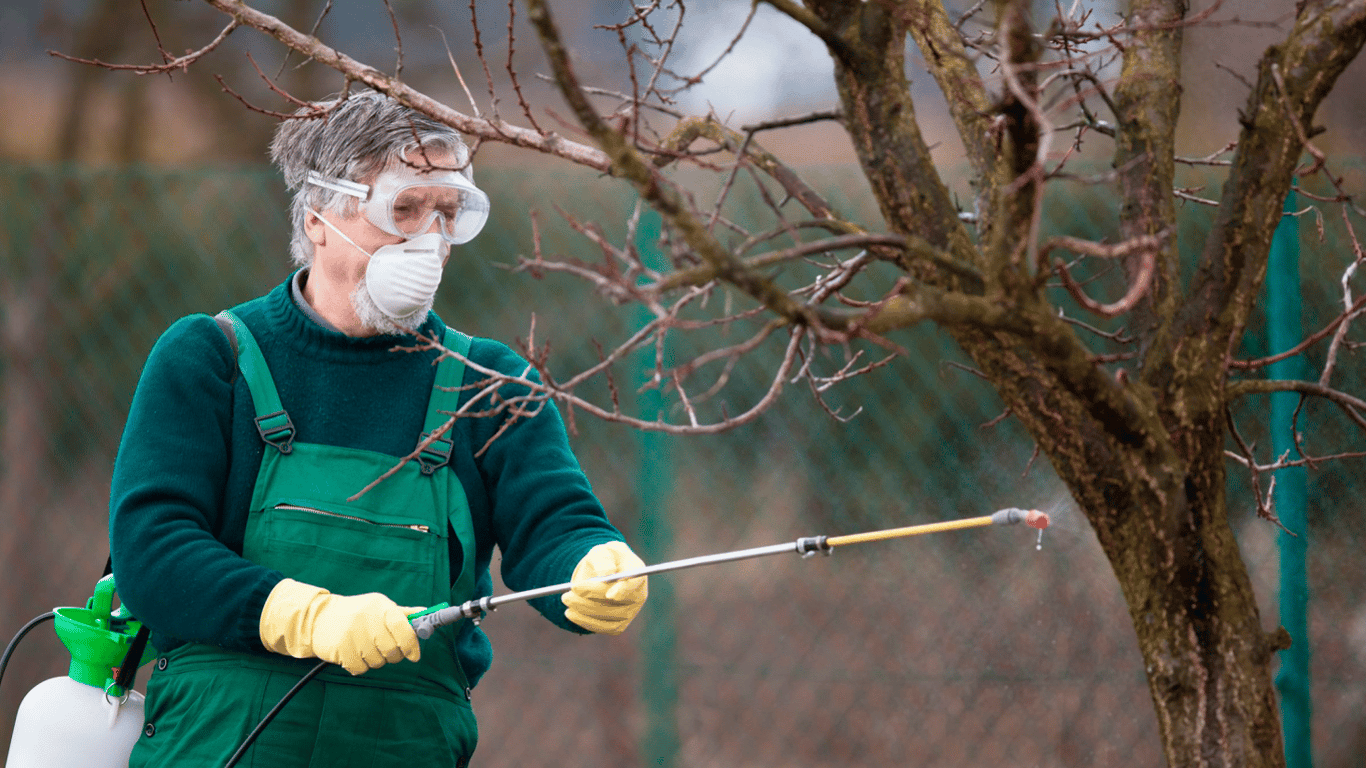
<point x="910" y="530"/>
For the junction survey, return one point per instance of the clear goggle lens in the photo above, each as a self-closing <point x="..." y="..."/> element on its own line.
<point x="459" y="213"/>
<point x="408" y="205"/>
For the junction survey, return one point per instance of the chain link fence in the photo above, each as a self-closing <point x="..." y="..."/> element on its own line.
<point x="972" y="648"/>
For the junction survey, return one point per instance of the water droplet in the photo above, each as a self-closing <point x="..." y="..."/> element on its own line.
<point x="1038" y="545"/>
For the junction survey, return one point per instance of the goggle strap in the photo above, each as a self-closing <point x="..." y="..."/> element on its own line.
<point x="351" y="188"/>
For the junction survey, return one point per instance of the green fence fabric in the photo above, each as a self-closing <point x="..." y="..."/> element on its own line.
<point x="1284" y="333"/>
<point x="962" y="649"/>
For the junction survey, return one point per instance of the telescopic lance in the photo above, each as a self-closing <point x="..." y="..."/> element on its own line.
<point x="426" y="621"/>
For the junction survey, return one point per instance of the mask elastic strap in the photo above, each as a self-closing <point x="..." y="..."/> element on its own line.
<point x="340" y="233"/>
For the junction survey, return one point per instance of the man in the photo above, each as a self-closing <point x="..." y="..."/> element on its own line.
<point x="236" y="532"/>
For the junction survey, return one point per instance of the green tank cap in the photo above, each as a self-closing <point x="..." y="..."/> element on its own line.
<point x="98" y="638"/>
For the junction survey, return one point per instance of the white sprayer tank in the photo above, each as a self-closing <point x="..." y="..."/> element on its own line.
<point x="66" y="724"/>
<point x="84" y="720"/>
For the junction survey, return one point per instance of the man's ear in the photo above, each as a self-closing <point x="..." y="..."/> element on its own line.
<point x="314" y="229"/>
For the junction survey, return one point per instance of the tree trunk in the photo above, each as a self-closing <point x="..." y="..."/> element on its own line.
<point x="1142" y="454"/>
<point x="1158" y="508"/>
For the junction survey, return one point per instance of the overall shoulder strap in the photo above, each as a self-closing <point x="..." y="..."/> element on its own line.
<point x="445" y="398"/>
<point x="271" y="420"/>
<point x="225" y="325"/>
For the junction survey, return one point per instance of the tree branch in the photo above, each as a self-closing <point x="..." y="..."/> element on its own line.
<point x="837" y="45"/>
<point x="1354" y="407"/>
<point x="1147" y="103"/>
<point x="693" y="128"/>
<point x="493" y="130"/>
<point x="1326" y="37"/>
<point x="1144" y="249"/>
<point x="628" y="163"/>
<point x="539" y="392"/>
<point x="181" y="63"/>
<point x="879" y="114"/>
<point x="1357" y="306"/>
<point x="913" y="247"/>
<point x="954" y="71"/>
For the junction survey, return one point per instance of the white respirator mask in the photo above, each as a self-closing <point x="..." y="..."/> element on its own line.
<point x="401" y="278"/>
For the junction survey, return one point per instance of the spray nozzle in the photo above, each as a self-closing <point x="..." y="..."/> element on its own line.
<point x="1012" y="515"/>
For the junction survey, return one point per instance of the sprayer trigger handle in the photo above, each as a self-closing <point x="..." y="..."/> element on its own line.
<point x="423" y="622"/>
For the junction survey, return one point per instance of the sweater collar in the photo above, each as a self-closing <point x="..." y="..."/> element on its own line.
<point x="300" y="326"/>
<point x="296" y="292"/>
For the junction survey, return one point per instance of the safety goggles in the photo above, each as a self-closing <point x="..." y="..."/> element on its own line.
<point x="404" y="202"/>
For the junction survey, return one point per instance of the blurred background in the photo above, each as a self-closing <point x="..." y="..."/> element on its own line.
<point x="127" y="201"/>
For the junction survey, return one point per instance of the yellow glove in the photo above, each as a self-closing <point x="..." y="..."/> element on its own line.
<point x="606" y="608"/>
<point x="360" y="633"/>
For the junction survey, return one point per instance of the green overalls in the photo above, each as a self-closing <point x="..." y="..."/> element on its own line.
<point x="202" y="700"/>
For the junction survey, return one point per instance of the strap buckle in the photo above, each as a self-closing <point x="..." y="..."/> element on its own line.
<point x="277" y="429"/>
<point x="436" y="455"/>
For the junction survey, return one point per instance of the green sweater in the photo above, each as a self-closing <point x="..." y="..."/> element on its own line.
<point x="190" y="453"/>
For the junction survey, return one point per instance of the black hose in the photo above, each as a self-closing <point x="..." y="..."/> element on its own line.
<point x="261" y="726"/>
<point x="9" y="649"/>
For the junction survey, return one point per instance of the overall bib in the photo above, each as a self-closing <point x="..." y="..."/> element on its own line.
<point x="202" y="700"/>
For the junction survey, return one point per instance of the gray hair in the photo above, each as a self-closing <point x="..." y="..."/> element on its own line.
<point x="355" y="140"/>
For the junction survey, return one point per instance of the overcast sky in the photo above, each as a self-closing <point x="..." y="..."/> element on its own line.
<point x="778" y="63"/>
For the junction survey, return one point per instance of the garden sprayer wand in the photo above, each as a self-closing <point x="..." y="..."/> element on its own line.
<point x="425" y="622"/>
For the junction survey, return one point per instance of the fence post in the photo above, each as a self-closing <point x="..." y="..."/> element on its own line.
<point x="1284" y="331"/>
<point x="659" y="744"/>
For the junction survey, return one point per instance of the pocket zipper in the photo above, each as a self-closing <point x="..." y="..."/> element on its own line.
<point x="325" y="513"/>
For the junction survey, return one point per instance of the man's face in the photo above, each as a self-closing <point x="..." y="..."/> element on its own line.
<point x="342" y="261"/>
<point x="339" y="267"/>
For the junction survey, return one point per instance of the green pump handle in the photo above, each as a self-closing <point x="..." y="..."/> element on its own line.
<point x="99" y="638"/>
<point x="101" y="604"/>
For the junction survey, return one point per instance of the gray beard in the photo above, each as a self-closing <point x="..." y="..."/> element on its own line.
<point x="372" y="318"/>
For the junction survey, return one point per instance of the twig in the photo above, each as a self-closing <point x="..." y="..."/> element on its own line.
<point x="1118" y="336"/>
<point x="1352" y="406"/>
<point x="512" y="71"/>
<point x="961" y="367"/>
<point x="474" y="107"/>
<point x="156" y="35"/>
<point x="786" y="122"/>
<point x="309" y="111"/>
<point x="1318" y="336"/>
<point x="1210" y="158"/>
<point x="1147" y="245"/>
<point x="327" y="8"/>
<point x="1186" y="194"/>
<point x="1264" y="510"/>
<point x="1340" y="336"/>
<point x="997" y="420"/>
<point x="479" y="54"/>
<point x="968" y="14"/>
<point x="1127" y="302"/>
<point x="398" y="41"/>
<point x="182" y="63"/>
<point x="697" y="78"/>
<point x="1236" y="74"/>
<point x="496" y="130"/>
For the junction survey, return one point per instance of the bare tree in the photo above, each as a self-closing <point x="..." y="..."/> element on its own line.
<point x="1135" y="421"/>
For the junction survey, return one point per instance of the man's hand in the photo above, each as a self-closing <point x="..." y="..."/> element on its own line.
<point x="359" y="633"/>
<point x="606" y="608"/>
